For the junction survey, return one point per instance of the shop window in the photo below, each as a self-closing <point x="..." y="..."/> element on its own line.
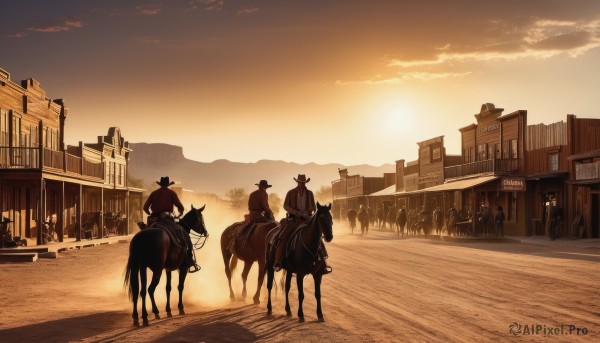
<point x="514" y="149"/>
<point x="482" y="152"/>
<point x="553" y="162"/>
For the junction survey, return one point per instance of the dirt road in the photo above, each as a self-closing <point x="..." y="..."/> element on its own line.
<point x="382" y="289"/>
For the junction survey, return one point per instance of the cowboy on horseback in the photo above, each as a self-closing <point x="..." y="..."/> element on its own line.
<point x="258" y="212"/>
<point x="162" y="201"/>
<point x="299" y="204"/>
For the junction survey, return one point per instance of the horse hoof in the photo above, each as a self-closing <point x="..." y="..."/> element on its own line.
<point x="321" y="319"/>
<point x="136" y="323"/>
<point x="156" y="316"/>
<point x="301" y="320"/>
<point x="181" y="312"/>
<point x="169" y="315"/>
<point x="256" y="302"/>
<point x="145" y="322"/>
<point x="288" y="313"/>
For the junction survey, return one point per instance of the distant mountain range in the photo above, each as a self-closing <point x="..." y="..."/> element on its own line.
<point x="150" y="161"/>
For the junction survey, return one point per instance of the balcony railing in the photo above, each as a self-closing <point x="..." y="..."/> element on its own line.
<point x="495" y="166"/>
<point x="29" y="158"/>
<point x="19" y="158"/>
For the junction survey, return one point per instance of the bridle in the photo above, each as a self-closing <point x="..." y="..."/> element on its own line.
<point x="200" y="238"/>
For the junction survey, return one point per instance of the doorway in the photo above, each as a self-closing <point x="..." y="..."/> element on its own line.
<point x="595" y="215"/>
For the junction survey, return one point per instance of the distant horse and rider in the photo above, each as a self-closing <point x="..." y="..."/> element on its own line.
<point x="363" y="219"/>
<point x="352" y="214"/>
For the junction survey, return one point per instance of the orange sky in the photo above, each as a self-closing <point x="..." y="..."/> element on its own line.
<point x="303" y="81"/>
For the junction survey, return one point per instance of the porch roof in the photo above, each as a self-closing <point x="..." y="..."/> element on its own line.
<point x="386" y="191"/>
<point x="461" y="184"/>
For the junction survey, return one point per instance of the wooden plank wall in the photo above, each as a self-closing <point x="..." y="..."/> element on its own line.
<point x="538" y="160"/>
<point x="586" y="135"/>
<point x="542" y="136"/>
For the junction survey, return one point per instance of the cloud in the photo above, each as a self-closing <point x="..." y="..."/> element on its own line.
<point x="537" y="39"/>
<point x="208" y="5"/>
<point x="403" y="77"/>
<point x="247" y="10"/>
<point x="66" y="24"/>
<point x="148" y="9"/>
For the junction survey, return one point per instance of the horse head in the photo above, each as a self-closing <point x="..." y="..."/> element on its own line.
<point x="325" y="221"/>
<point x="195" y="220"/>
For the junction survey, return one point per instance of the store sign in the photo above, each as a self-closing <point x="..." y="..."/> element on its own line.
<point x="490" y="128"/>
<point x="513" y="184"/>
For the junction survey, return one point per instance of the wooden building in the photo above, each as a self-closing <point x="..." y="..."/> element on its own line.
<point x="583" y="189"/>
<point x="76" y="189"/>
<point x="350" y="191"/>
<point x="493" y="170"/>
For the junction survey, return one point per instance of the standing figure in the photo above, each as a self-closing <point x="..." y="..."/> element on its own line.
<point x="499" y="221"/>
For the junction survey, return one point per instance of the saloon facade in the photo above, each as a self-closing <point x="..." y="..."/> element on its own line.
<point x="75" y="188"/>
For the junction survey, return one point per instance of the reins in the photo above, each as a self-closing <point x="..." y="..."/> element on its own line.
<point x="314" y="255"/>
<point x="198" y="244"/>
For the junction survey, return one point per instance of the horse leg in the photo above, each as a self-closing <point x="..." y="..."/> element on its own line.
<point x="168" y="289"/>
<point x="288" y="285"/>
<point x="247" y="266"/>
<point x="300" y="285"/>
<point x="270" y="277"/>
<point x="226" y="258"/>
<point x="182" y="275"/>
<point x="261" y="278"/>
<point x="134" y="285"/>
<point x="317" y="278"/>
<point x="144" y="281"/>
<point x="155" y="280"/>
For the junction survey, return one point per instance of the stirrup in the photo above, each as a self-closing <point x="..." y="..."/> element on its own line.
<point x="194" y="268"/>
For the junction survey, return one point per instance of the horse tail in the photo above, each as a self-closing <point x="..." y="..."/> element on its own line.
<point x="233" y="263"/>
<point x="131" y="277"/>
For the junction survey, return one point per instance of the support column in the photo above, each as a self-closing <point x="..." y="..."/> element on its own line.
<point x="61" y="220"/>
<point x="78" y="212"/>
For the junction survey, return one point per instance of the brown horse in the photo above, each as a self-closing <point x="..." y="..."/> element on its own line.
<point x="153" y="248"/>
<point x="303" y="259"/>
<point x="249" y="250"/>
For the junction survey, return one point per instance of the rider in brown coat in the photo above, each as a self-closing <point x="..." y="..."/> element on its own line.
<point x="163" y="200"/>
<point x="299" y="203"/>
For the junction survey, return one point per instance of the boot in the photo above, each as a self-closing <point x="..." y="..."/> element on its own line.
<point x="191" y="262"/>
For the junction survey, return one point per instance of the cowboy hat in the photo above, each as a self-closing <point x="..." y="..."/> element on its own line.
<point x="302" y="178"/>
<point x="164" y="181"/>
<point x="263" y="184"/>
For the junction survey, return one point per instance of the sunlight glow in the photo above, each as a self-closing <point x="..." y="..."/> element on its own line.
<point x="396" y="117"/>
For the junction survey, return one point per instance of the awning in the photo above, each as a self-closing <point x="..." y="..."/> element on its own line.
<point x="460" y="184"/>
<point x="386" y="191"/>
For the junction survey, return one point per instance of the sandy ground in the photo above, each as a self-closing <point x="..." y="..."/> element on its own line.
<point x="382" y="289"/>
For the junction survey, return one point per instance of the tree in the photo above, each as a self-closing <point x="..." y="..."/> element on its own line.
<point x="275" y="203"/>
<point x="237" y="196"/>
<point x="324" y="195"/>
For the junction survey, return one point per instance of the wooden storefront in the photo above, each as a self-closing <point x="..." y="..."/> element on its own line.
<point x="45" y="184"/>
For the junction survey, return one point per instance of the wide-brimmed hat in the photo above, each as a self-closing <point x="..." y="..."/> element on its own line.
<point x="164" y="181"/>
<point x="302" y="178"/>
<point x="263" y="184"/>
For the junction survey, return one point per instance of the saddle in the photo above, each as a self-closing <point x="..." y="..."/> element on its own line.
<point x="173" y="230"/>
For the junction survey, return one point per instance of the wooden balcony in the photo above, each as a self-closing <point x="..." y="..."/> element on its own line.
<point x="52" y="160"/>
<point x="493" y="166"/>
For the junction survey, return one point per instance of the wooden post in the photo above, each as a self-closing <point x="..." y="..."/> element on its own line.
<point x="127" y="209"/>
<point x="78" y="212"/>
<point x="41" y="145"/>
<point x="61" y="220"/>
<point x="102" y="211"/>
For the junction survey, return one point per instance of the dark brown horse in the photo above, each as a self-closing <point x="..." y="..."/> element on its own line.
<point x="303" y="259"/>
<point x="249" y="250"/>
<point x="153" y="248"/>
